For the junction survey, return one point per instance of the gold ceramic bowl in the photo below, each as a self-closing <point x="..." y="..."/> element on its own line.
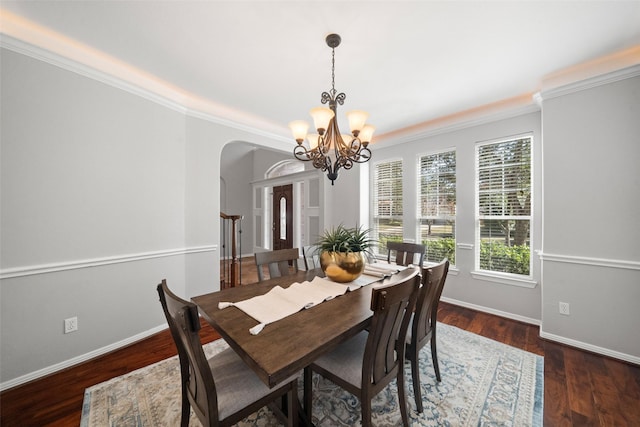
<point x="342" y="267"/>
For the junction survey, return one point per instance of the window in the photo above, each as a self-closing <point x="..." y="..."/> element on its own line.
<point x="387" y="203"/>
<point x="284" y="167"/>
<point x="437" y="205"/>
<point x="503" y="203"/>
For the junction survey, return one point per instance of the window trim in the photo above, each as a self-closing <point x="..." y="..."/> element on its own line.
<point x="513" y="279"/>
<point x="373" y="198"/>
<point x="418" y="195"/>
<point x="504" y="278"/>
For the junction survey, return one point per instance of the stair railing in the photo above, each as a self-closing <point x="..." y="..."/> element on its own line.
<point x="230" y="235"/>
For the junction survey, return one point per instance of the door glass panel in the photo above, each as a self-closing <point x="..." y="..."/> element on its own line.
<point x="283" y="218"/>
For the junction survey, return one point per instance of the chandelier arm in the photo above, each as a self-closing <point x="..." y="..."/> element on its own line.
<point x="301" y="153"/>
<point x="365" y="154"/>
<point x="319" y="161"/>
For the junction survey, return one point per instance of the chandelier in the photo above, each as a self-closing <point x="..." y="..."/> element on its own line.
<point x="329" y="150"/>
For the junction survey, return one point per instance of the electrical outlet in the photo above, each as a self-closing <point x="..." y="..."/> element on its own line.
<point x="563" y="308"/>
<point x="70" y="325"/>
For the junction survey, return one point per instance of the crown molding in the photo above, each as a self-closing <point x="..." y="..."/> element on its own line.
<point x="51" y="58"/>
<point x="277" y="136"/>
<point x="591" y="82"/>
<point x="483" y="115"/>
<point x="617" y="66"/>
<point x="29" y="39"/>
<point x="174" y="102"/>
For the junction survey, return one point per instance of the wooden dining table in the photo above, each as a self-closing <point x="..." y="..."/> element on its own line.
<point x="286" y="346"/>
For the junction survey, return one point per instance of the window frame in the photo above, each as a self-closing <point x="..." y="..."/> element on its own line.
<point x="381" y="251"/>
<point x="418" y="196"/>
<point x="498" y="276"/>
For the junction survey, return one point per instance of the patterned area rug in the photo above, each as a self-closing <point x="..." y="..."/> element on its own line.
<point x="484" y="382"/>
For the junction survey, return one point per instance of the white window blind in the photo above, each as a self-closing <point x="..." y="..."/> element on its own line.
<point x="387" y="203"/>
<point x="437" y="204"/>
<point x="504" y="206"/>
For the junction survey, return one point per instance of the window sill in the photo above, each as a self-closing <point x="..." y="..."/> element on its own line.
<point x="505" y="279"/>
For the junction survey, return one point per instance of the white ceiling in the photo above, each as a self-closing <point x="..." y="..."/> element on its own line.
<point x="405" y="62"/>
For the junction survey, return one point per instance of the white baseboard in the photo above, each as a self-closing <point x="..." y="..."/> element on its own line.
<point x="492" y="311"/>
<point x="548" y="336"/>
<point x="590" y="347"/>
<point x="79" y="359"/>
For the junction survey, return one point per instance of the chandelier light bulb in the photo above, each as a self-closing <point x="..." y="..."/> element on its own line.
<point x="321" y="118"/>
<point x="357" y="119"/>
<point x="299" y="129"/>
<point x="366" y="133"/>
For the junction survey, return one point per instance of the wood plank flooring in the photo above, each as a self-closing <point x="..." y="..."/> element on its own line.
<point x="581" y="389"/>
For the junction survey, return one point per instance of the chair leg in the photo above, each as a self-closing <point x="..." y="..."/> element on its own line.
<point x="186" y="408"/>
<point x="292" y="405"/>
<point x="402" y="397"/>
<point x="365" y="402"/>
<point x="308" y="390"/>
<point x="415" y="375"/>
<point x="434" y="356"/>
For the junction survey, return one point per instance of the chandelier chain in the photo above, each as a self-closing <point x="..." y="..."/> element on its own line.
<point x="333" y="71"/>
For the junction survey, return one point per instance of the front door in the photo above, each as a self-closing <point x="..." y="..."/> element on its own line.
<point x="283" y="217"/>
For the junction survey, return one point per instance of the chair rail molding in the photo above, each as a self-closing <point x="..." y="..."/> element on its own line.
<point x="31" y="270"/>
<point x="600" y="262"/>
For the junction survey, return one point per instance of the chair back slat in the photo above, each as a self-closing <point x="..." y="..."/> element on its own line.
<point x="311" y="257"/>
<point x="433" y="280"/>
<point x="385" y="345"/>
<point x="279" y="263"/>
<point x="406" y="253"/>
<point x="184" y="324"/>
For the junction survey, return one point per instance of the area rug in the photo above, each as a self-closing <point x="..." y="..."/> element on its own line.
<point x="484" y="383"/>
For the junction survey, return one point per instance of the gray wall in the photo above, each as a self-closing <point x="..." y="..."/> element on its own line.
<point x="104" y="193"/>
<point x="90" y="174"/>
<point x="591" y="211"/>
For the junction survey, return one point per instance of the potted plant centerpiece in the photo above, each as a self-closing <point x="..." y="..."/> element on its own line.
<point x="343" y="252"/>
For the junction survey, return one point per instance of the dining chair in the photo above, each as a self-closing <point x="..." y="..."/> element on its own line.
<point x="222" y="390"/>
<point x="405" y="253"/>
<point x="280" y="262"/>
<point x="366" y="363"/>
<point x="311" y="257"/>
<point x="423" y="323"/>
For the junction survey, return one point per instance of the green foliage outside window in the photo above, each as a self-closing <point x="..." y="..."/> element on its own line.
<point x="438" y="249"/>
<point x="496" y="256"/>
<point x="383" y="239"/>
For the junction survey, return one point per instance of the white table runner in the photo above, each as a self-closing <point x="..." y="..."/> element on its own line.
<point x="280" y="302"/>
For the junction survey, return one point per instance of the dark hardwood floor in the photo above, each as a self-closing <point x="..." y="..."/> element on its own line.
<point x="581" y="389"/>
